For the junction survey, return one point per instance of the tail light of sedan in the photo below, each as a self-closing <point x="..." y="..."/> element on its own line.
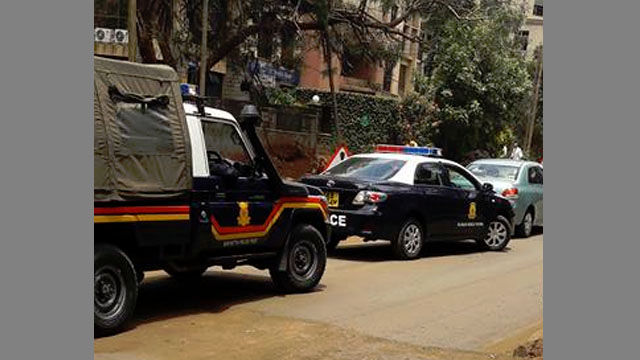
<point x="371" y="197"/>
<point x="510" y="193"/>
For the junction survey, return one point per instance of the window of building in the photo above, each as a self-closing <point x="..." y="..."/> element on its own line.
<point x="537" y="8"/>
<point x="404" y="41"/>
<point x="388" y="74"/>
<point x="402" y="80"/>
<point x="394" y="12"/>
<point x="110" y="14"/>
<point x="524" y="39"/>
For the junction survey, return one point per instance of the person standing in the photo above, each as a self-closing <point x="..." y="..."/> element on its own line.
<point x="516" y="154"/>
<point x="505" y="152"/>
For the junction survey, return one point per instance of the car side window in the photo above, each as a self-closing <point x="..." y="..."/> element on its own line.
<point x="535" y="175"/>
<point x="458" y="179"/>
<point x="429" y="174"/>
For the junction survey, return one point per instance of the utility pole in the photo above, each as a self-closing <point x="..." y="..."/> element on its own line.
<point x="203" y="47"/>
<point x="534" y="107"/>
<point x="132" y="16"/>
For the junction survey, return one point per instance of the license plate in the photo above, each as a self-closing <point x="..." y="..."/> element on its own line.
<point x="333" y="199"/>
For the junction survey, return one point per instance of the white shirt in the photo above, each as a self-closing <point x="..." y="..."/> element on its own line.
<point x="517" y="153"/>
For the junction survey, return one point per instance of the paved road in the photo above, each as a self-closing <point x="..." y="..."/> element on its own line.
<point x="454" y="297"/>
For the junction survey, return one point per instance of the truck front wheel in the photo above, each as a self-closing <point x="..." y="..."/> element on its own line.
<point x="306" y="259"/>
<point x="115" y="289"/>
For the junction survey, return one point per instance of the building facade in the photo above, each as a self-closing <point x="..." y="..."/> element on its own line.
<point x="531" y="34"/>
<point x="354" y="74"/>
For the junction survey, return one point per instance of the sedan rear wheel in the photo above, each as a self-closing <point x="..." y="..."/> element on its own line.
<point x="524" y="229"/>
<point x="408" y="244"/>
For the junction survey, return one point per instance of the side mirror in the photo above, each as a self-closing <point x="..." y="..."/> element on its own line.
<point x="487" y="187"/>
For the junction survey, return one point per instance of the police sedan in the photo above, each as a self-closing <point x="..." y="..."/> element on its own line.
<point x="400" y="195"/>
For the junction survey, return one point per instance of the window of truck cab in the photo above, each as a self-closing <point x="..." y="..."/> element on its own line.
<point x="223" y="139"/>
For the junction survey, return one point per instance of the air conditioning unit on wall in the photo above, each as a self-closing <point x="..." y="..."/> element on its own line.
<point x="103" y="35"/>
<point x="121" y="36"/>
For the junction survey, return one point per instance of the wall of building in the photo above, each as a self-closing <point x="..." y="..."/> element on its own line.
<point x="534" y="24"/>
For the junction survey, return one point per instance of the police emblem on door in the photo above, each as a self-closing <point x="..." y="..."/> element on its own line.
<point x="472" y="211"/>
<point x="243" y="214"/>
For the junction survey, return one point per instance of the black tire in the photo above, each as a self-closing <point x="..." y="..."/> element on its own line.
<point x="185" y="274"/>
<point x="409" y="241"/>
<point x="523" y="230"/>
<point x="498" y="235"/>
<point x="305" y="263"/>
<point x="115" y="289"/>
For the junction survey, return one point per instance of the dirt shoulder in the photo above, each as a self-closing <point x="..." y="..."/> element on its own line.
<point x="242" y="334"/>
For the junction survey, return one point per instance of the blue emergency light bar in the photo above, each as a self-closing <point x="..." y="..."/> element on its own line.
<point x="188" y="89"/>
<point x="413" y="150"/>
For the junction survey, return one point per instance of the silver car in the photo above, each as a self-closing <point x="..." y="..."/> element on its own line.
<point x="519" y="181"/>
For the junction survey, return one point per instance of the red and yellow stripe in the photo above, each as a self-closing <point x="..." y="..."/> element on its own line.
<point x="181" y="213"/>
<point x="140" y="213"/>
<point x="222" y="233"/>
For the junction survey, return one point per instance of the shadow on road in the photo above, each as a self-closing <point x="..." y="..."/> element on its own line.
<point x="381" y="250"/>
<point x="161" y="297"/>
<point x="537" y="230"/>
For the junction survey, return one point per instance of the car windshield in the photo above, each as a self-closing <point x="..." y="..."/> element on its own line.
<point x="506" y="172"/>
<point x="367" y="168"/>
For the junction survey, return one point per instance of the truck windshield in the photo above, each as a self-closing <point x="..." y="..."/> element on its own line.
<point x="367" y="168"/>
<point x="505" y="172"/>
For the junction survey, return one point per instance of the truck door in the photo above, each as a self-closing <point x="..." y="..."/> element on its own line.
<point x="240" y="200"/>
<point x="469" y="205"/>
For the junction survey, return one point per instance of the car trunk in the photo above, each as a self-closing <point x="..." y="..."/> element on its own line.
<point x="345" y="188"/>
<point x="499" y="185"/>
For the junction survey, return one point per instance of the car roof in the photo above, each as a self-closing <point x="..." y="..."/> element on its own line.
<point x="406" y="157"/>
<point x="191" y="109"/>
<point x="505" y="162"/>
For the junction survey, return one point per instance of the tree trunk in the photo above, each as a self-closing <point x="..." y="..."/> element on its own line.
<point x="334" y="99"/>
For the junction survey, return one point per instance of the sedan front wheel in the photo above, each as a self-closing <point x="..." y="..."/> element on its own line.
<point x="498" y="235"/>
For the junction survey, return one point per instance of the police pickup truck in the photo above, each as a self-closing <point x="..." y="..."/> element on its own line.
<point x="410" y="195"/>
<point x="182" y="187"/>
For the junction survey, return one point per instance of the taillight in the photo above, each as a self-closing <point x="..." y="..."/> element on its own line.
<point x="510" y="193"/>
<point x="372" y="197"/>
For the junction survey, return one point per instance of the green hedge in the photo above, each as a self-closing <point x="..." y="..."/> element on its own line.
<point x="364" y="120"/>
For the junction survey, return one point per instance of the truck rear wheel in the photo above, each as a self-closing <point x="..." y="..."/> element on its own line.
<point x="305" y="262"/>
<point x="115" y="289"/>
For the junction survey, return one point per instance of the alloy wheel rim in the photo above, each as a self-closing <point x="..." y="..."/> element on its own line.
<point x="412" y="239"/>
<point x="496" y="235"/>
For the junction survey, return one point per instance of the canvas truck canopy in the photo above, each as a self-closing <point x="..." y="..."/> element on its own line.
<point x="141" y="146"/>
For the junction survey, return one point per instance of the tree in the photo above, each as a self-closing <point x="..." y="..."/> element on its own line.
<point x="478" y="77"/>
<point x="236" y="26"/>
